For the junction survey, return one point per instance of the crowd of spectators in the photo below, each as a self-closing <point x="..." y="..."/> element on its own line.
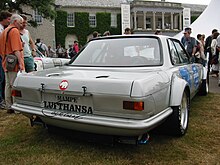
<point x="203" y="50"/>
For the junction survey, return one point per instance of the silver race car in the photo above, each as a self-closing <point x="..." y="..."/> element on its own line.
<point x="119" y="85"/>
<point x="42" y="62"/>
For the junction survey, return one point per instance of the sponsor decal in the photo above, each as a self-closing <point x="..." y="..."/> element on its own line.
<point x="184" y="73"/>
<point x="63" y="114"/>
<point x="63" y="85"/>
<point x="70" y="99"/>
<point x="195" y="76"/>
<point x="68" y="107"/>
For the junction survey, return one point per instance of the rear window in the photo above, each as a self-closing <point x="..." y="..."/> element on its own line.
<point x="121" y="52"/>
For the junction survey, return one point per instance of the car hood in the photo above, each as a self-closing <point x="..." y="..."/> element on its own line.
<point x="130" y="82"/>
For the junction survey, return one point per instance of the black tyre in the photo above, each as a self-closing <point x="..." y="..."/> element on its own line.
<point x="177" y="123"/>
<point x="204" y="88"/>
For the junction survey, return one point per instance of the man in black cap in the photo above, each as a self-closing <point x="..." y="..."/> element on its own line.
<point x="189" y="43"/>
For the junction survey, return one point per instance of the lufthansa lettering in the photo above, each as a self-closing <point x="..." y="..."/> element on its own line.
<point x="68" y="107"/>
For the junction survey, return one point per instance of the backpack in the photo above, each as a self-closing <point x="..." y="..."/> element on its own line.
<point x="72" y="52"/>
<point x="40" y="48"/>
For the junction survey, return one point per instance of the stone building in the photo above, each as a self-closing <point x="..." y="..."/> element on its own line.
<point x="146" y="16"/>
<point x="45" y="29"/>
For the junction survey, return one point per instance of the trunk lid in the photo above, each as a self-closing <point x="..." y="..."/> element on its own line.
<point x="118" y="82"/>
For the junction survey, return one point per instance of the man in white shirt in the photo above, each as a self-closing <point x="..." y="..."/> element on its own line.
<point x="41" y="48"/>
<point x="5" y="18"/>
<point x="29" y="49"/>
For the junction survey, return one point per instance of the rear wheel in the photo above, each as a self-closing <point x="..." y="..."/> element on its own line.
<point x="177" y="123"/>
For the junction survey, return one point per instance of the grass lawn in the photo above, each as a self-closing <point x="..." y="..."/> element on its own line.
<point x="22" y="144"/>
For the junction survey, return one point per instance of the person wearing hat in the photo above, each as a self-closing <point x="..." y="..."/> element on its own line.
<point x="187" y="29"/>
<point x="189" y="43"/>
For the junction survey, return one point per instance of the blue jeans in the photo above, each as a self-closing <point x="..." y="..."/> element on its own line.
<point x="2" y="81"/>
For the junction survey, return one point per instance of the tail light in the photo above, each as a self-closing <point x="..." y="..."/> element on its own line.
<point x="16" y="93"/>
<point x="131" y="105"/>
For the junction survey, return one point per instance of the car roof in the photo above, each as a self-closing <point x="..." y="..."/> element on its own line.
<point x="132" y="36"/>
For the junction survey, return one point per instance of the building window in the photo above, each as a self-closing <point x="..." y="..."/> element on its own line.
<point x="113" y="20"/>
<point x="37" y="17"/>
<point x="70" y="20"/>
<point x="148" y="23"/>
<point x="92" y="20"/>
<point x="159" y="23"/>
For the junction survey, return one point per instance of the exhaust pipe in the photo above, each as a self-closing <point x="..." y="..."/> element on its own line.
<point x="35" y="120"/>
<point x="143" y="139"/>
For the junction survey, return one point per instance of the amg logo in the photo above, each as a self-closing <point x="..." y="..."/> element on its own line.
<point x="68" y="107"/>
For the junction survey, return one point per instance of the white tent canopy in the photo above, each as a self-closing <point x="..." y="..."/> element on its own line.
<point x="207" y="21"/>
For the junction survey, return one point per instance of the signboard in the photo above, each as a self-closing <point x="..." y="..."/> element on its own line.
<point x="125" y="16"/>
<point x="186" y="17"/>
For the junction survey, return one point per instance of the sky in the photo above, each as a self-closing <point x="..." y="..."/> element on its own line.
<point x="203" y="2"/>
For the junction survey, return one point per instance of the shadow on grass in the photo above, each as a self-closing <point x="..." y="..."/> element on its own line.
<point x="100" y="140"/>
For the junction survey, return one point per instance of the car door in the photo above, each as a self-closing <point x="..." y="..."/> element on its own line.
<point x="187" y="70"/>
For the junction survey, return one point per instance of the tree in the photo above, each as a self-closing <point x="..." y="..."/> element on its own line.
<point x="45" y="7"/>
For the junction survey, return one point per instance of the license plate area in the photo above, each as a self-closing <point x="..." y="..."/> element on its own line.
<point x="67" y="103"/>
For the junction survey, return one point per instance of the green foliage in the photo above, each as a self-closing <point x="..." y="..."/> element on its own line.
<point x="25" y="145"/>
<point x="103" y="22"/>
<point x="193" y="18"/>
<point x="61" y="27"/>
<point x="46" y="8"/>
<point x="82" y="29"/>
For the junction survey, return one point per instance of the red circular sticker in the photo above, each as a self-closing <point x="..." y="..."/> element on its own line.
<point x="63" y="85"/>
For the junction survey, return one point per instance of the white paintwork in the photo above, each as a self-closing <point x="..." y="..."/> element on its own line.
<point x="106" y="89"/>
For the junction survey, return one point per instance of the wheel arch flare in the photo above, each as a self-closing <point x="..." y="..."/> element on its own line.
<point x="178" y="86"/>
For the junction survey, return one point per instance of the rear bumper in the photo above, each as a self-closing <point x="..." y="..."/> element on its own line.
<point x="93" y="123"/>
